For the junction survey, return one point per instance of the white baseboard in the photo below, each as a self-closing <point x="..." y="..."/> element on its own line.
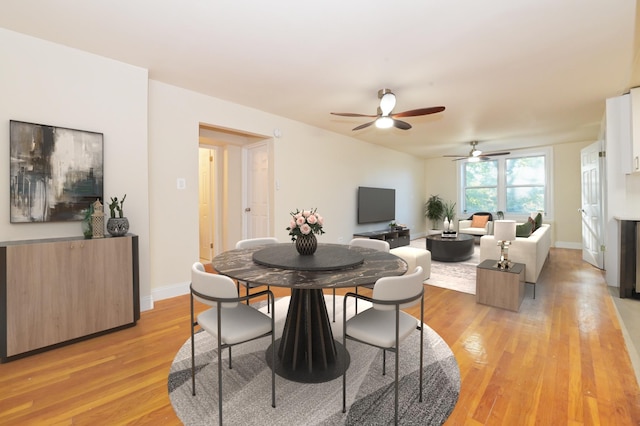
<point x="146" y="303"/>
<point x="568" y="245"/>
<point x="166" y="292"/>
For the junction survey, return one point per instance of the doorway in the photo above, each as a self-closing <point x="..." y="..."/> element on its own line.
<point x="207" y="192"/>
<point x="235" y="188"/>
<point x="591" y="168"/>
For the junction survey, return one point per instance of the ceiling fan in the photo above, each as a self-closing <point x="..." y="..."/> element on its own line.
<point x="477" y="155"/>
<point x="385" y="117"/>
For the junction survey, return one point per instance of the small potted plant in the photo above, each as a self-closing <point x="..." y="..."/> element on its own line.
<point x="449" y="212"/>
<point x="434" y="210"/>
<point x="118" y="225"/>
<point x="87" y="226"/>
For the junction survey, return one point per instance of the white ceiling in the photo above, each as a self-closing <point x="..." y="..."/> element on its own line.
<point x="511" y="74"/>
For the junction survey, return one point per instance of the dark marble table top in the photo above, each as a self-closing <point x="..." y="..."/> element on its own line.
<point x="239" y="264"/>
<point x="328" y="257"/>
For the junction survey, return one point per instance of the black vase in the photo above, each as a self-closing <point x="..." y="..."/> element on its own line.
<point x="306" y="244"/>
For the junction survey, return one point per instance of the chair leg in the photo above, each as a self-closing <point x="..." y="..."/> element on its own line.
<point x="219" y="366"/>
<point x="273" y="356"/>
<point x="334" y="305"/>
<point x="193" y="360"/>
<point x="356" y="301"/>
<point x="230" y="366"/>
<point x="344" y="344"/>
<point x="396" y="381"/>
<point x="421" y="357"/>
<point x="384" y="362"/>
<point x="247" y="293"/>
<point x="268" y="305"/>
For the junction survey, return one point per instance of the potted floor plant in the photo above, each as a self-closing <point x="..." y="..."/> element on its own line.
<point x="118" y="224"/>
<point x="434" y="210"/>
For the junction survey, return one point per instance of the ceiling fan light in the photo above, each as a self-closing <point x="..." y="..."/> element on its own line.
<point x="476" y="153"/>
<point x="473" y="159"/>
<point x="384" y="122"/>
<point x="387" y="103"/>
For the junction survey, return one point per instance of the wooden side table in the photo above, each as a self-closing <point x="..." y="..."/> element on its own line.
<point x="498" y="287"/>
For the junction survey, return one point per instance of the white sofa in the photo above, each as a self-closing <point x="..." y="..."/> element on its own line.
<point x="532" y="251"/>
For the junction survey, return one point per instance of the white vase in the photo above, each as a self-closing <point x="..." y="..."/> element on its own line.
<point x="446" y="224"/>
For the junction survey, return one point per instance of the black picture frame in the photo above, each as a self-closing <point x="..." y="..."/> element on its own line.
<point x="55" y="172"/>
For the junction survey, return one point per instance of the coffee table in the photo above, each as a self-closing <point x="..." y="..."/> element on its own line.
<point x="450" y="249"/>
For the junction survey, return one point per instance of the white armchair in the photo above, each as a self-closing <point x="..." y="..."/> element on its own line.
<point x="478" y="224"/>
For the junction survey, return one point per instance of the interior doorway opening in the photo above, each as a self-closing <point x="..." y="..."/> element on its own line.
<point x="228" y="194"/>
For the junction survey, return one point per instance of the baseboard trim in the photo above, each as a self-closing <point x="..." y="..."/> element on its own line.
<point x="568" y="245"/>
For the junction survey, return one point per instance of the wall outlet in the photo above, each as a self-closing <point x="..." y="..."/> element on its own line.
<point x="181" y="183"/>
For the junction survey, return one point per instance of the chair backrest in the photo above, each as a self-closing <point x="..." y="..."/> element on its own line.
<point x="212" y="285"/>
<point x="370" y="243"/>
<point x="398" y="288"/>
<point x="255" y="242"/>
<point x="482" y="214"/>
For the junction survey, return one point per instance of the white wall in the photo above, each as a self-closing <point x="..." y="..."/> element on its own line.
<point x="50" y="84"/>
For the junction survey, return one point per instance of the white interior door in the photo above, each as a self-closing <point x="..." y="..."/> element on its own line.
<point x="257" y="201"/>
<point x="592" y="205"/>
<point x="206" y="201"/>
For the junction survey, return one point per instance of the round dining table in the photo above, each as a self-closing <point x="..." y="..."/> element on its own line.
<point x="307" y="351"/>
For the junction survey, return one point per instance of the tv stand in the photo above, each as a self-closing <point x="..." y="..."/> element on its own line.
<point x="395" y="237"/>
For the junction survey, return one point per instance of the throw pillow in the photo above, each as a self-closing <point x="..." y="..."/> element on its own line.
<point x="524" y="230"/>
<point x="479" y="221"/>
<point x="537" y="219"/>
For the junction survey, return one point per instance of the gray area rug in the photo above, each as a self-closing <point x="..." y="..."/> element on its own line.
<point x="458" y="276"/>
<point x="370" y="395"/>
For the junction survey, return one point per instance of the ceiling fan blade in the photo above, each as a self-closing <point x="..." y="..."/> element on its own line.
<point x="420" y="111"/>
<point x="402" y="125"/>
<point x="493" y="154"/>
<point x="362" y="126"/>
<point x="352" y="114"/>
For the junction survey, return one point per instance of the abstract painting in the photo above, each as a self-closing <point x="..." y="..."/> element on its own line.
<point x="56" y="172"/>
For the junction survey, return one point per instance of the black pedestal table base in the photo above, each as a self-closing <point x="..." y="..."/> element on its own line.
<point x="307" y="351"/>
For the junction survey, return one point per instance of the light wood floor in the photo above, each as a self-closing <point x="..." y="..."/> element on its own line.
<point x="560" y="360"/>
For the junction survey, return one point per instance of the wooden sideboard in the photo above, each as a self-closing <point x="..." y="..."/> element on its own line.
<point x="61" y="290"/>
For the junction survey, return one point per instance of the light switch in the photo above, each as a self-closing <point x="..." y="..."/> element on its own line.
<point x="182" y="183"/>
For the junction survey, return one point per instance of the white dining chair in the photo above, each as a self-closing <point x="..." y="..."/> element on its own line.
<point x="229" y="320"/>
<point x="251" y="243"/>
<point x="371" y="243"/>
<point x="385" y="325"/>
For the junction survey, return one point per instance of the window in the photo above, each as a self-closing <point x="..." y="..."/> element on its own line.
<point x="480" y="186"/>
<point x="516" y="184"/>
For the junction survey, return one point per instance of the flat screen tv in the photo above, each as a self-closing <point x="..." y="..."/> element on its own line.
<point x="376" y="204"/>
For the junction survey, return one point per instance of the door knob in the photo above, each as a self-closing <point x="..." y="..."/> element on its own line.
<point x="248" y="209"/>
